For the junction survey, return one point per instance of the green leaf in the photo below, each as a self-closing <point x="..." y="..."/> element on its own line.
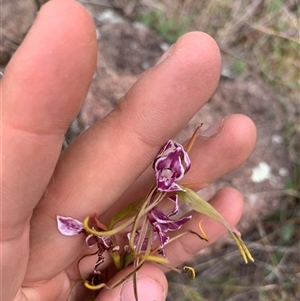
<point x="129" y="211"/>
<point x="195" y="201"/>
<point x="200" y="205"/>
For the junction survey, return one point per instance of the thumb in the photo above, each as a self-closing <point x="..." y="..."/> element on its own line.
<point x="152" y="285"/>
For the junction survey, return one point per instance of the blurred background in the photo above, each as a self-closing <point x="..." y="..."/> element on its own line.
<point x="259" y="41"/>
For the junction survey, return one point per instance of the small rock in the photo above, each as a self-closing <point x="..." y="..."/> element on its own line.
<point x="276" y="139"/>
<point x="283" y="172"/>
<point x="261" y="172"/>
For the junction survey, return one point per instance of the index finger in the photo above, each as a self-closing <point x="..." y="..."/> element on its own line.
<point x="42" y="90"/>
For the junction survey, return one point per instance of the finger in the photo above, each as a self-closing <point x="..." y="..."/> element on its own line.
<point x="105" y="160"/>
<point x="212" y="157"/>
<point x="43" y="88"/>
<point x="151" y="285"/>
<point x="222" y="153"/>
<point x="229" y="203"/>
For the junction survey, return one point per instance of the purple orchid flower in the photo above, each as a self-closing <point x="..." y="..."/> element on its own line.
<point x="162" y="223"/>
<point x="170" y="166"/>
<point x="70" y="226"/>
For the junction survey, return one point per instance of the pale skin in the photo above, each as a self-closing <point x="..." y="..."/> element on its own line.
<point x="42" y="91"/>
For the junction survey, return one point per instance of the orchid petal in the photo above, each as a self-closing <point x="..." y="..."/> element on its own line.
<point x="161" y="224"/>
<point x="91" y="240"/>
<point x="175" y="210"/>
<point x="69" y="226"/>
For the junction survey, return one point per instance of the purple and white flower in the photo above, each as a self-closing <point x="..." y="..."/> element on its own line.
<point x="170" y="166"/>
<point x="70" y="226"/>
<point x="162" y="223"/>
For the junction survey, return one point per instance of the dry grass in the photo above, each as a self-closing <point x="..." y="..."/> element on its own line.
<point x="274" y="276"/>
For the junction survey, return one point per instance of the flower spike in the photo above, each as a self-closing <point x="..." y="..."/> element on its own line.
<point x="147" y="224"/>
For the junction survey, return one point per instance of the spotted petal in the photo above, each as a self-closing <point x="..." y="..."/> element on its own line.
<point x="69" y="226"/>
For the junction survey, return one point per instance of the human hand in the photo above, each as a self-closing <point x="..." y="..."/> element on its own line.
<point x="42" y="91"/>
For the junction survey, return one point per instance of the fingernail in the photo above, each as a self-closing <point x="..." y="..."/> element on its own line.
<point x="213" y="130"/>
<point x="148" y="290"/>
<point x="166" y="54"/>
